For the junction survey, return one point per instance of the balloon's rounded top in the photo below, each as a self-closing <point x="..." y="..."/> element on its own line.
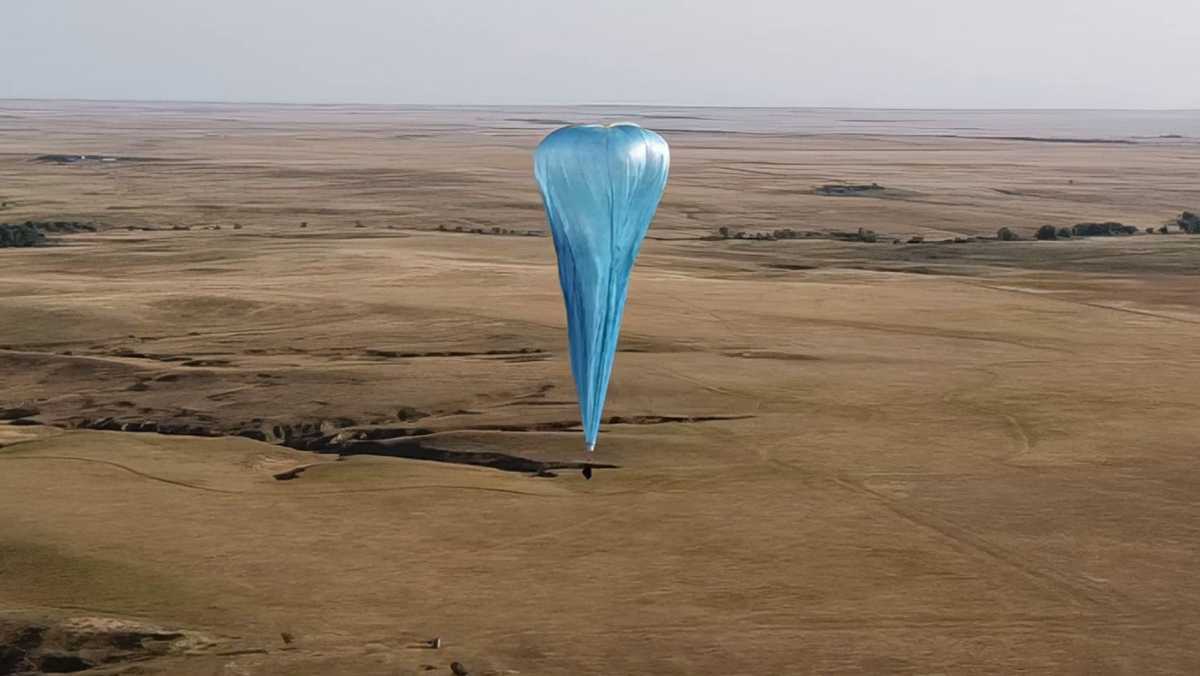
<point x="609" y="125"/>
<point x="625" y="135"/>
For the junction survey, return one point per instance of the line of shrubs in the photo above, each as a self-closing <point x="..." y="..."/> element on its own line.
<point x="1187" y="222"/>
<point x="1109" y="229"/>
<point x="492" y="231"/>
<point x="862" y="235"/>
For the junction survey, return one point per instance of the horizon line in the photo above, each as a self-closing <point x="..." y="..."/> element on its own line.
<point x="587" y="105"/>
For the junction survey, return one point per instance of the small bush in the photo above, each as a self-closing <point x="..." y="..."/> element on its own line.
<point x="21" y="235"/>
<point x="1108" y="229"/>
<point x="1189" y="223"/>
<point x="1006" y="235"/>
<point x="1047" y="232"/>
<point x="1064" y="233"/>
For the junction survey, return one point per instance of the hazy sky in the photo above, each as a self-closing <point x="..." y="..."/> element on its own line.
<point x="893" y="53"/>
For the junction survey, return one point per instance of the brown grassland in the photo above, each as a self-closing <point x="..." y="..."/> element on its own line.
<point x="831" y="456"/>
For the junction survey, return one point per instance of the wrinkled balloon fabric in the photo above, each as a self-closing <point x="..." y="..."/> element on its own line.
<point x="600" y="186"/>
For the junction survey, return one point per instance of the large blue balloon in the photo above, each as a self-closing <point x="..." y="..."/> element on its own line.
<point x="601" y="186"/>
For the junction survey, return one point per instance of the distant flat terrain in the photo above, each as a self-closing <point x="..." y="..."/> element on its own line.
<point x="828" y="456"/>
<point x="943" y="173"/>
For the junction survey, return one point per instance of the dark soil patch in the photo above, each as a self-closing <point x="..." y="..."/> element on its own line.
<point x="196" y="363"/>
<point x="418" y="449"/>
<point x="524" y="352"/>
<point x="782" y="356"/>
<point x="47" y="647"/>
<point x="791" y="266"/>
<point x="339" y="436"/>
<point x="56" y="158"/>
<point x="845" y="190"/>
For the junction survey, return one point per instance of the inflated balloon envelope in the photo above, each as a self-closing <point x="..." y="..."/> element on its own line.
<point x="601" y="186"/>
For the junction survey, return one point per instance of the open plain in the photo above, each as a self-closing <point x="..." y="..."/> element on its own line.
<point x="301" y="403"/>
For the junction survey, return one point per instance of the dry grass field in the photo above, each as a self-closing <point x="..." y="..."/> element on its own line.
<point x="831" y="457"/>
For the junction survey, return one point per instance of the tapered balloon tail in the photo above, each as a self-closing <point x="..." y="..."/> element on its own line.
<point x="601" y="186"/>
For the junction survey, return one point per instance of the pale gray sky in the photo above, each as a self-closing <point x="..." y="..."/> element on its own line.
<point x="887" y="53"/>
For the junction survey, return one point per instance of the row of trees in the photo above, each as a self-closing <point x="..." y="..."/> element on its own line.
<point x="862" y="235"/>
<point x="1188" y="223"/>
<point x="782" y="233"/>
<point x="1110" y="229"/>
<point x="492" y="231"/>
